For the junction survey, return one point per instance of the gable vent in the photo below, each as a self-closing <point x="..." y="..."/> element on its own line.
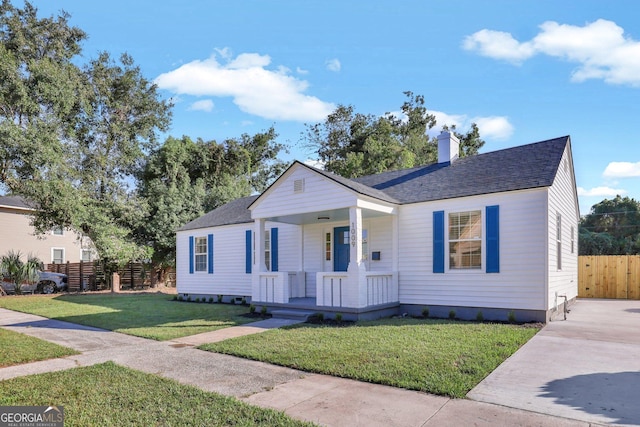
<point x="298" y="185"/>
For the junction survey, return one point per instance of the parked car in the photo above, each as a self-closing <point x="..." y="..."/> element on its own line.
<point x="48" y="283"/>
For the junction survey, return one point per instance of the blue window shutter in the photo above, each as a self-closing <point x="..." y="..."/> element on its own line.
<point x="190" y="254"/>
<point x="493" y="239"/>
<point x="210" y="252"/>
<point x="274" y="249"/>
<point x="438" y="242"/>
<point x="247" y="252"/>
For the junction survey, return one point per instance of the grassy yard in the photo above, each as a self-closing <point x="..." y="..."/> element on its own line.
<point x="18" y="348"/>
<point x="436" y="356"/>
<point x="111" y="395"/>
<point x="154" y="316"/>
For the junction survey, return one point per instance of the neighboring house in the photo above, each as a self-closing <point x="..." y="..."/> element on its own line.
<point x="495" y="232"/>
<point x="56" y="246"/>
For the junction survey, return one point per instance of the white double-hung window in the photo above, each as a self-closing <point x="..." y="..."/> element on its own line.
<point x="200" y="254"/>
<point x="465" y="240"/>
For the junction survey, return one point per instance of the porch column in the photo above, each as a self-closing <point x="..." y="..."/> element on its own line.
<point x="355" y="230"/>
<point x="259" y="262"/>
<point x="395" y="242"/>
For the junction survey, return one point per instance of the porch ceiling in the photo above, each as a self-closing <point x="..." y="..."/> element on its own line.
<point x="326" y="216"/>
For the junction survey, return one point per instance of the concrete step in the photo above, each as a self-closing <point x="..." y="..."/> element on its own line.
<point x="301" y="315"/>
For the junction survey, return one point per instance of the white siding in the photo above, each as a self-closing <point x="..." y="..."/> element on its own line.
<point x="229" y="276"/>
<point x="520" y="284"/>
<point x="562" y="200"/>
<point x="319" y="194"/>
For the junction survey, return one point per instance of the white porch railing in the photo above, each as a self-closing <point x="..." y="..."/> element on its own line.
<point x="330" y="288"/>
<point x="279" y="286"/>
<point x="382" y="288"/>
<point x="356" y="290"/>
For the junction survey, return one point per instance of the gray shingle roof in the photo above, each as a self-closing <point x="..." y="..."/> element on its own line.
<point x="234" y="212"/>
<point x="14" y="201"/>
<point x="518" y="168"/>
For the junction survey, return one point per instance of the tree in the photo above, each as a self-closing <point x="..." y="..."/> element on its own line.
<point x="72" y="139"/>
<point x="353" y="144"/>
<point x="183" y="179"/>
<point x="612" y="227"/>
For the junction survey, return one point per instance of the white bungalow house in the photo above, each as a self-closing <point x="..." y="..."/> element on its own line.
<point x="495" y="232"/>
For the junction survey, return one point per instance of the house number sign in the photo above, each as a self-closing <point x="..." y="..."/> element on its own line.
<point x="353" y="235"/>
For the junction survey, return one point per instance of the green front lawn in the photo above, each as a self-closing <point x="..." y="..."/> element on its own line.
<point x="154" y="316"/>
<point x="16" y="349"/>
<point x="436" y="356"/>
<point x="111" y="395"/>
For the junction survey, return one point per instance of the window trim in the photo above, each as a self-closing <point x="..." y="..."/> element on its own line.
<point x="448" y="241"/>
<point x="558" y="241"/>
<point x="573" y="240"/>
<point x="64" y="255"/>
<point x="267" y="249"/>
<point x="82" y="251"/>
<point x="197" y="254"/>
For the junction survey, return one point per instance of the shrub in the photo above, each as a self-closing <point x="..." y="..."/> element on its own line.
<point x="320" y="316"/>
<point x="198" y="299"/>
<point x="189" y="298"/>
<point x="210" y="300"/>
<point x="452" y="314"/>
<point x="263" y="311"/>
<point x="511" y="317"/>
<point x="339" y="317"/>
<point x="252" y="309"/>
<point x="425" y="312"/>
<point x="175" y="297"/>
<point x="480" y="316"/>
<point x="244" y="301"/>
<point x="180" y="298"/>
<point x="219" y="298"/>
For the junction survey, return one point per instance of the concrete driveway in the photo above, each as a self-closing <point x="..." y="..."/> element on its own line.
<point x="585" y="368"/>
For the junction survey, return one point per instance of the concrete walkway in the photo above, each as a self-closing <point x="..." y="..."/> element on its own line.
<point x="585" y="368"/>
<point x="319" y="398"/>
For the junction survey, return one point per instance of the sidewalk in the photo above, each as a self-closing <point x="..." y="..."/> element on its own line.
<point x="322" y="399"/>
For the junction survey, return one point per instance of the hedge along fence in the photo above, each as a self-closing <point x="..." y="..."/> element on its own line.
<point x="90" y="276"/>
<point x="609" y="276"/>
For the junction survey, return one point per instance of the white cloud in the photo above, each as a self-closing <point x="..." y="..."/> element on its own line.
<point x="255" y="89"/>
<point x="601" y="192"/>
<point x="498" y="45"/>
<point x="203" y="105"/>
<point x="494" y="127"/>
<point x="301" y="71"/>
<point x="622" y="170"/>
<point x="490" y="127"/>
<point x="600" y="49"/>
<point x="333" y="65"/>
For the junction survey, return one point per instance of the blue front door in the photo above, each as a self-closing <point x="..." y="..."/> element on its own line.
<point x="340" y="248"/>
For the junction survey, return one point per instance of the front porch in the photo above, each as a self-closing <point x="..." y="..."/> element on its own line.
<point x="328" y="246"/>
<point x="355" y="296"/>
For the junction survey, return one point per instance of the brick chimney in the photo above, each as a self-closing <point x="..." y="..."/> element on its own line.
<point x="448" y="147"/>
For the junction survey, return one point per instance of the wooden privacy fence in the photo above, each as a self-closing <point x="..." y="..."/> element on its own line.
<point x="90" y="277"/>
<point x="609" y="276"/>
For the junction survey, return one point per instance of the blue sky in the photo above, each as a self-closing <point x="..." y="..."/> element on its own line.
<point x="524" y="71"/>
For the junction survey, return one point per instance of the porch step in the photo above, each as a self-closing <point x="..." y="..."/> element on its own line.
<point x="292" y="314"/>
